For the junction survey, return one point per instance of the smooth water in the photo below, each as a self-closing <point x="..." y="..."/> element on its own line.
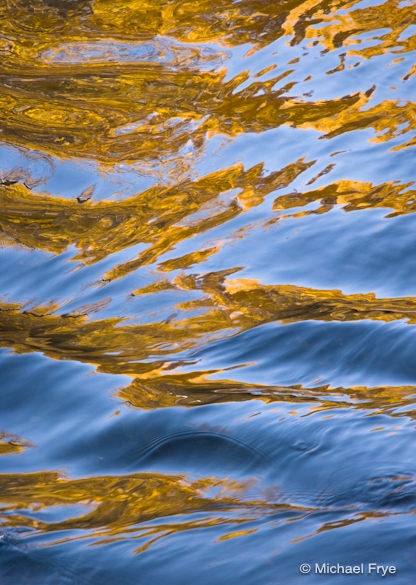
<point x="208" y="291"/>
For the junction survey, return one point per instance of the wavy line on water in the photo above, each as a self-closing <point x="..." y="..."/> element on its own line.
<point x="30" y="562"/>
<point x="153" y="446"/>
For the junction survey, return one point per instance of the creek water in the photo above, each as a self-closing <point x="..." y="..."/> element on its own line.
<point x="207" y="291"/>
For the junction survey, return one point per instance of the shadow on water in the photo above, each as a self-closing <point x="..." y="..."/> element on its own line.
<point x="207" y="284"/>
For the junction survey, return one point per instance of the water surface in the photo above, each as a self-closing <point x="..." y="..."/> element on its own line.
<point x="207" y="290"/>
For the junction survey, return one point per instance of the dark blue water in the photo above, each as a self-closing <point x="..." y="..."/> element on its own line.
<point x="207" y="280"/>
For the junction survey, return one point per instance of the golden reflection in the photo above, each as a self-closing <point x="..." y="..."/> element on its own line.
<point x="349" y="521"/>
<point x="161" y="217"/>
<point x="66" y="90"/>
<point x="235" y="306"/>
<point x="12" y="444"/>
<point x="84" y="115"/>
<point x="6" y="448"/>
<point x="159" y="389"/>
<point x="147" y="352"/>
<point x="127" y="505"/>
<point x="386" y="23"/>
<point x="353" y="195"/>
<point x="249" y="21"/>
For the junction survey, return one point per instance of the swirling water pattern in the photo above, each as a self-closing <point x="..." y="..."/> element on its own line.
<point x="207" y="284"/>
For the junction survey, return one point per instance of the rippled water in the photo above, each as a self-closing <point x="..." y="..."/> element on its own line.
<point x="207" y="283"/>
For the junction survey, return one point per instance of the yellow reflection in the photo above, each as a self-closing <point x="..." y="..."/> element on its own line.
<point x="353" y="195"/>
<point x="144" y="95"/>
<point x="147" y="352"/>
<point x="387" y="22"/>
<point x="235" y="305"/>
<point x="126" y="505"/>
<point x="160" y="389"/>
<point x="161" y="217"/>
<point x="12" y="444"/>
<point x="6" y="448"/>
